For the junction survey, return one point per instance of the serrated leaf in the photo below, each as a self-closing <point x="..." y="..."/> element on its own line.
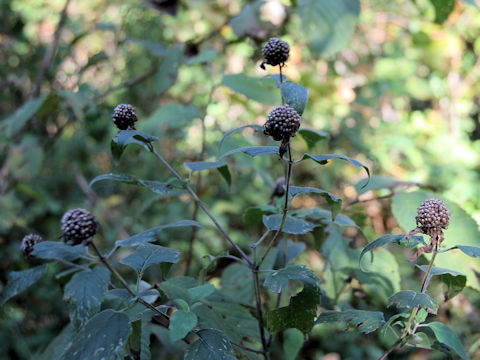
<point x="152" y="234"/>
<point x="292" y="225"/>
<point x="312" y="136"/>
<point x="149" y="254"/>
<point x="295" y="95"/>
<point x="278" y="280"/>
<point x="19" y="281"/>
<point x="221" y="166"/>
<point x="453" y="280"/>
<point x="323" y="159"/>
<point x="365" y="321"/>
<point x="299" y="314"/>
<point x="387" y="239"/>
<point x="446" y="336"/>
<point x="102" y="337"/>
<point x="409" y="299"/>
<point x="55" y="250"/>
<point x="181" y="323"/>
<point x="231" y="132"/>
<point x="333" y="201"/>
<point x="262" y="90"/>
<point x="155" y="186"/>
<point x="328" y="26"/>
<point x="254" y="151"/>
<point x="84" y="294"/>
<point x="168" y="70"/>
<point x="200" y="292"/>
<point x="211" y="345"/>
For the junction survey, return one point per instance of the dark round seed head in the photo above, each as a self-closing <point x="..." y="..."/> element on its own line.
<point x="78" y="226"/>
<point x="275" y="51"/>
<point x="432" y="214"/>
<point x="124" y="117"/>
<point x="282" y="123"/>
<point x="28" y="243"/>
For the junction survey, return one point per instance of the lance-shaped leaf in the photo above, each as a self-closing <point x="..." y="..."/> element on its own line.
<point x="157" y="187"/>
<point x="453" y="280"/>
<point x="472" y="251"/>
<point x="393" y="320"/>
<point x="152" y="234"/>
<point x="278" y="280"/>
<point x="212" y="345"/>
<point x="299" y="314"/>
<point x="446" y="336"/>
<point x="292" y="225"/>
<point x="19" y="281"/>
<point x="149" y="254"/>
<point x="84" y="294"/>
<point x="333" y="201"/>
<point x="312" y="136"/>
<point x="323" y="159"/>
<point x="254" y="151"/>
<point x="365" y="321"/>
<point x="294" y="95"/>
<point x="181" y="323"/>
<point x="55" y="250"/>
<point x="387" y="239"/>
<point x="102" y="337"/>
<point x="231" y="132"/>
<point x="409" y="299"/>
<point x="221" y="166"/>
<point x="126" y="137"/>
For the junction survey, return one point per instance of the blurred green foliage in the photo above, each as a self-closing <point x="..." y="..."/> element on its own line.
<point x="394" y="84"/>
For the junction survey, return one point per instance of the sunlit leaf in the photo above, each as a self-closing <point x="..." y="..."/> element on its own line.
<point x="446" y="336"/>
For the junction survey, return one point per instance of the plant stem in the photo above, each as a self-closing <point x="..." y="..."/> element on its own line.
<point x="164" y="318"/>
<point x="202" y="206"/>
<point x="258" y="301"/>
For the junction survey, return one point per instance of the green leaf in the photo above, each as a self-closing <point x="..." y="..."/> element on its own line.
<point x="253" y="215"/>
<point x="328" y="26"/>
<point x="462" y="233"/>
<point x="472" y="251"/>
<point x="138" y="344"/>
<point x="292" y="343"/>
<point x="247" y="20"/>
<point x="365" y="321"/>
<point x="181" y="323"/>
<point x="126" y="137"/>
<point x="19" y="281"/>
<point x="323" y="159"/>
<point x="102" y="337"/>
<point x="387" y="239"/>
<point x="292" y="225"/>
<point x="84" y="294"/>
<point x="168" y="70"/>
<point x="171" y="120"/>
<point x="231" y="132"/>
<point x="211" y="345"/>
<point x="200" y="292"/>
<point x="154" y="186"/>
<point x="333" y="201"/>
<point x="59" y="344"/>
<point x="312" y="136"/>
<point x="410" y="299"/>
<point x="453" y="280"/>
<point x="294" y="249"/>
<point x="55" y="250"/>
<point x="254" y="151"/>
<point x="221" y="166"/>
<point x="152" y="234"/>
<point x="384" y="182"/>
<point x="295" y="95"/>
<point x="148" y="254"/>
<point x="393" y="319"/>
<point x="262" y="90"/>
<point x="278" y="280"/>
<point x="299" y="314"/>
<point x="177" y="287"/>
<point x="443" y="8"/>
<point x="446" y="336"/>
<point x="419" y="340"/>
<point x="206" y="56"/>
<point x="155" y="48"/>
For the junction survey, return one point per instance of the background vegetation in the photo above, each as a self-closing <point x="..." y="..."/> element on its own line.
<point x="394" y="85"/>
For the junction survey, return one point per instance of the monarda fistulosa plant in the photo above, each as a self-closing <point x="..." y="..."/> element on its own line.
<point x="265" y="304"/>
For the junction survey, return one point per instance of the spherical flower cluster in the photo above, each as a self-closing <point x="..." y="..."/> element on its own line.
<point x="433" y="214"/>
<point x="124" y="117"/>
<point x="282" y="123"/>
<point x="28" y="243"/>
<point x="78" y="226"/>
<point x="275" y="52"/>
